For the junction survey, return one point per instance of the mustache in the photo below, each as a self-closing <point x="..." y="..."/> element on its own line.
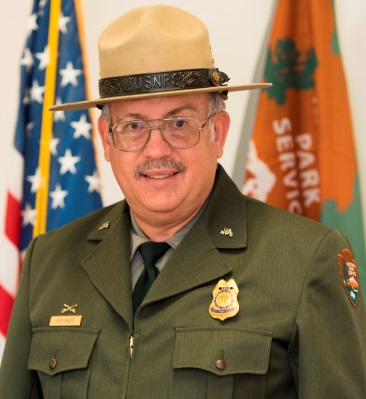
<point x="159" y="164"/>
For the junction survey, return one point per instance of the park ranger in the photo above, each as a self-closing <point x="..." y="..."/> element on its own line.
<point x="186" y="289"/>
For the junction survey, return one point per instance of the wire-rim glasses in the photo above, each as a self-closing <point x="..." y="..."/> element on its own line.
<point x="177" y="132"/>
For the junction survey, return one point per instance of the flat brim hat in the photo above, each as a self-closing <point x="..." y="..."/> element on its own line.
<point x="156" y="51"/>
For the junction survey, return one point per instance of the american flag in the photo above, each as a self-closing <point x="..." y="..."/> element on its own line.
<point x="53" y="177"/>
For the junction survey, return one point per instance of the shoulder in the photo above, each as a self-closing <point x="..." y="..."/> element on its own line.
<point x="288" y="226"/>
<point x="261" y="211"/>
<point x="83" y="227"/>
<point x="259" y="215"/>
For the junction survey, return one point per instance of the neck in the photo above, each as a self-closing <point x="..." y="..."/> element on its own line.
<point x="161" y="227"/>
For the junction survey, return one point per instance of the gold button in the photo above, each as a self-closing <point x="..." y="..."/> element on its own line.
<point x="221" y="364"/>
<point x="52" y="364"/>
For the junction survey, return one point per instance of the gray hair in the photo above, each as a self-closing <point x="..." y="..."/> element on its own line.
<point x="216" y="104"/>
<point x="106" y="112"/>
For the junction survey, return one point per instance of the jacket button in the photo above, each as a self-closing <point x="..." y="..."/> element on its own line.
<point x="52" y="364"/>
<point x="221" y="364"/>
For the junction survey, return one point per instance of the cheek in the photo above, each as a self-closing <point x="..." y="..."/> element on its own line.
<point x="123" y="166"/>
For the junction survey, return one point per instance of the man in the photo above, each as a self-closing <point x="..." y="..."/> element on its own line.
<point x="248" y="301"/>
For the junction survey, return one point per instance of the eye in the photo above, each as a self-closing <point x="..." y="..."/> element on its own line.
<point x="180" y="123"/>
<point x="135" y="125"/>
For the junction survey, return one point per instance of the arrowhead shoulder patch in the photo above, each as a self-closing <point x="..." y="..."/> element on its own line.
<point x="349" y="275"/>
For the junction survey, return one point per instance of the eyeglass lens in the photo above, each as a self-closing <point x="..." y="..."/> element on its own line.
<point x="178" y="132"/>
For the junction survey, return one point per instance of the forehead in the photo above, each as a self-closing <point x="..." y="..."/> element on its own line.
<point x="159" y="107"/>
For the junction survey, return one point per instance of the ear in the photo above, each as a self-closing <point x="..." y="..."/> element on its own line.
<point x="103" y="128"/>
<point x="222" y="124"/>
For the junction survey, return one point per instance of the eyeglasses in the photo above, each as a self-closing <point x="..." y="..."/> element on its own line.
<point x="177" y="132"/>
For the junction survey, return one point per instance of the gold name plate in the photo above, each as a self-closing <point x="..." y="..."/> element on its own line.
<point x="57" y="321"/>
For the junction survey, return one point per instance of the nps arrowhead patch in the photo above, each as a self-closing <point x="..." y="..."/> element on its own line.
<point x="349" y="274"/>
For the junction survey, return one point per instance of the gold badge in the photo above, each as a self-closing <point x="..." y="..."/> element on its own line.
<point x="66" y="320"/>
<point x="225" y="302"/>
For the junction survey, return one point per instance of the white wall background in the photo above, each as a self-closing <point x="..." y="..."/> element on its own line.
<point x="237" y="29"/>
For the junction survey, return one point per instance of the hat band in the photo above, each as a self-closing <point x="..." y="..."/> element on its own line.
<point x="162" y="81"/>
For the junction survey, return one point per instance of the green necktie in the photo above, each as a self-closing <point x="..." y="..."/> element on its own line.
<point x="151" y="252"/>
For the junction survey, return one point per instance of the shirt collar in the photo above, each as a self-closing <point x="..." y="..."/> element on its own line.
<point x="138" y="237"/>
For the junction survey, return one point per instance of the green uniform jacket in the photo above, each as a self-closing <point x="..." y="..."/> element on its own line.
<point x="296" y="333"/>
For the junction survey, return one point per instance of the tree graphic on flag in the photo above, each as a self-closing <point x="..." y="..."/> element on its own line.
<point x="302" y="153"/>
<point x="53" y="178"/>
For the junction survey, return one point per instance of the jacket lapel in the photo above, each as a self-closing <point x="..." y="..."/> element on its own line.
<point x="108" y="265"/>
<point x="197" y="260"/>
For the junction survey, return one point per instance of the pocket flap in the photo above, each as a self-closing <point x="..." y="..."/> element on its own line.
<point x="223" y="351"/>
<point x="53" y="351"/>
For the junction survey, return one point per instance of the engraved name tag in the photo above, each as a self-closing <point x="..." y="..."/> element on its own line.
<point x="57" y="321"/>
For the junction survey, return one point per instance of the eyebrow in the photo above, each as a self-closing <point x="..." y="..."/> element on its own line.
<point x="175" y="111"/>
<point x="184" y="107"/>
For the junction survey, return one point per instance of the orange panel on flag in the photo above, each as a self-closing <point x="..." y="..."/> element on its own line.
<point x="302" y="153"/>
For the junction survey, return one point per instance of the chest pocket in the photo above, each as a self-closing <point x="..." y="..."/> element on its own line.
<point x="220" y="363"/>
<point x="62" y="357"/>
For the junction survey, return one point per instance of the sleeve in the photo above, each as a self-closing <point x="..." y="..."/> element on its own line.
<point x="328" y="349"/>
<point x="16" y="381"/>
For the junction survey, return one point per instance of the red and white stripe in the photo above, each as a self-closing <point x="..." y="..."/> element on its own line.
<point x="10" y="257"/>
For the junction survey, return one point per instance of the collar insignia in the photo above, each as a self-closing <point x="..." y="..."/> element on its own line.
<point x="225" y="302"/>
<point x="104" y="226"/>
<point x="349" y="274"/>
<point x="227" y="232"/>
<point x="68" y="308"/>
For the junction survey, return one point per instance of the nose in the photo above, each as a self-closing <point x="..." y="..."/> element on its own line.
<point x="156" y="145"/>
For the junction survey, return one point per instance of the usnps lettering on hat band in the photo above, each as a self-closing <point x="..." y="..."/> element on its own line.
<point x="162" y="81"/>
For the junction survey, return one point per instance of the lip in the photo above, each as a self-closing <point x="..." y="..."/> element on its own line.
<point x="160" y="176"/>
